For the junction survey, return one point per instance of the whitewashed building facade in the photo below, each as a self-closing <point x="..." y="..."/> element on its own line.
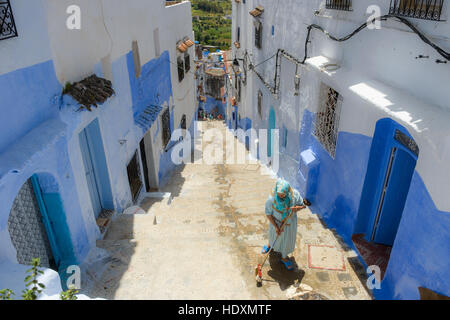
<point x="63" y="162"/>
<point x="363" y="118"/>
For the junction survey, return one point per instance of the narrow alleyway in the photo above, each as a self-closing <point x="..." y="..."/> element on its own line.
<point x="205" y="242"/>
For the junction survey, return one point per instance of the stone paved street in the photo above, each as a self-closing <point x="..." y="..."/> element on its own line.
<point x="205" y="244"/>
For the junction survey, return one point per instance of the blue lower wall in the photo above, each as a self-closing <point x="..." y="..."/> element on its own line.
<point x="29" y="96"/>
<point x="421" y="252"/>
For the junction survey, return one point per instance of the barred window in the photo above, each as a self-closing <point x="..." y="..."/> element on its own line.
<point x="260" y="97"/>
<point x="239" y="89"/>
<point x="7" y="25"/>
<point x="183" y="122"/>
<point x="187" y="62"/>
<point x="345" y="5"/>
<point x="166" y="134"/>
<point x="327" y="119"/>
<point x="258" y="34"/>
<point x="180" y="69"/>
<point x="285" y="137"/>
<point x="134" y="176"/>
<point x="421" y="9"/>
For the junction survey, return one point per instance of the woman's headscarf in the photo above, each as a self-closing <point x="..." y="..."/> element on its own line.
<point x="282" y="206"/>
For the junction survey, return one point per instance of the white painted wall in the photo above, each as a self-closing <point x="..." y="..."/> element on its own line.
<point x="373" y="60"/>
<point x="32" y="45"/>
<point x="108" y="29"/>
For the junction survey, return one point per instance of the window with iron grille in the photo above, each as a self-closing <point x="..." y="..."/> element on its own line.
<point x="183" y="122"/>
<point x="345" y="5"/>
<point x="285" y="137"/>
<point x="166" y="134"/>
<point x="187" y="62"/>
<point x="180" y="69"/>
<point x="260" y="97"/>
<point x="420" y="9"/>
<point x="134" y="176"/>
<point x="239" y="89"/>
<point x="7" y="25"/>
<point x="258" y="34"/>
<point x="327" y="119"/>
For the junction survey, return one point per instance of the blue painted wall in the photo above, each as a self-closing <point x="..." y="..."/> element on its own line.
<point x="151" y="89"/>
<point x="40" y="126"/>
<point x="421" y="251"/>
<point x="29" y="96"/>
<point x="420" y="255"/>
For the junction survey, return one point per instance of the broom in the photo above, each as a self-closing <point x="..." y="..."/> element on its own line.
<point x="258" y="269"/>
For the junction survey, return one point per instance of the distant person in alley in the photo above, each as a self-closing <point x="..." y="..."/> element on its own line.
<point x="278" y="208"/>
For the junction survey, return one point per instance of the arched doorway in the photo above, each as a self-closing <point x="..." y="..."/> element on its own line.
<point x="271" y="126"/>
<point x="27" y="230"/>
<point x="37" y="224"/>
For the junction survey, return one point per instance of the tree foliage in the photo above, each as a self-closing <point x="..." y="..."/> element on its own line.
<point x="211" y="22"/>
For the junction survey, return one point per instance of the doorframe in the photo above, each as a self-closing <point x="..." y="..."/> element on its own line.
<point x="383" y="142"/>
<point x="151" y="166"/>
<point x="46" y="220"/>
<point x="97" y="156"/>
<point x="269" y="133"/>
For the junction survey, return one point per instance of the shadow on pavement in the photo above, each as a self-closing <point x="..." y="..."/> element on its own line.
<point x="283" y="276"/>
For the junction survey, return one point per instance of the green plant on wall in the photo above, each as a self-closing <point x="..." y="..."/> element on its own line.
<point x="6" y="294"/>
<point x="34" y="287"/>
<point x="69" y="294"/>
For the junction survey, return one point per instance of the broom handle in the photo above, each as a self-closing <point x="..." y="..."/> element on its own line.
<point x="271" y="248"/>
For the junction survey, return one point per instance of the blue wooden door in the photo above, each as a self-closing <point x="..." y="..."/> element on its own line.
<point x="271" y="126"/>
<point x="87" y="151"/>
<point x="49" y="227"/>
<point x="393" y="196"/>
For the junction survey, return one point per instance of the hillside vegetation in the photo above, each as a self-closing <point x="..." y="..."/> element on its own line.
<point x="210" y="22"/>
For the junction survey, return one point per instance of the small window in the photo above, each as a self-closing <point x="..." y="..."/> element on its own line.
<point x="420" y="9"/>
<point x="285" y="137"/>
<point x="183" y="122"/>
<point x="239" y="83"/>
<point x="156" y="42"/>
<point x="134" y="176"/>
<point x="327" y="119"/>
<point x="238" y="34"/>
<point x="260" y="97"/>
<point x="273" y="30"/>
<point x="180" y="69"/>
<point x="344" y="5"/>
<point x="166" y="133"/>
<point x="136" y="59"/>
<point x="187" y="62"/>
<point x="258" y="35"/>
<point x="7" y="25"/>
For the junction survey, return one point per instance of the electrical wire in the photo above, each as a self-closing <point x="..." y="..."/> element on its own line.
<point x="441" y="51"/>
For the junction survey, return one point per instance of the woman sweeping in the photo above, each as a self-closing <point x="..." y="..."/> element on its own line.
<point x="278" y="208"/>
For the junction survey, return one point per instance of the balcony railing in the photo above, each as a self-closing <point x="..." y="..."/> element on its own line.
<point x="7" y="24"/>
<point x="420" y="9"/>
<point x="344" y="5"/>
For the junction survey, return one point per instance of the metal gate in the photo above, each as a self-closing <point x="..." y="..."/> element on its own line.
<point x="27" y="231"/>
<point x="134" y="176"/>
